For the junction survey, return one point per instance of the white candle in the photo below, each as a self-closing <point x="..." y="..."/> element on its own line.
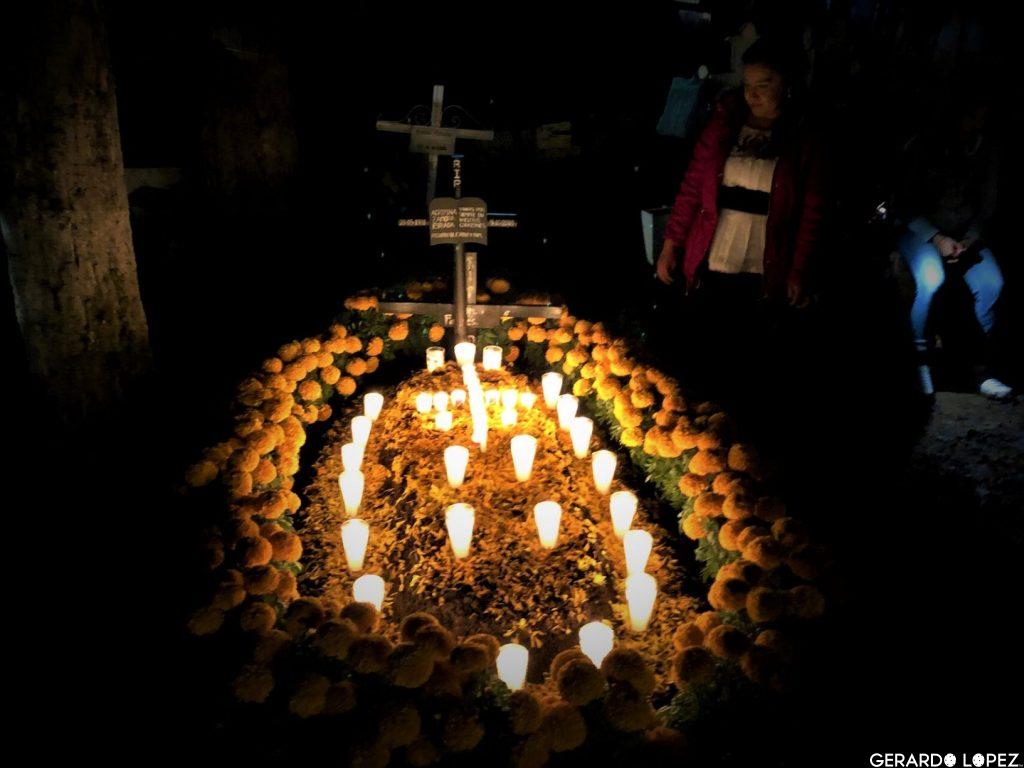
<point x="527" y="399"/>
<point x="424" y="402"/>
<point x="435" y="358"/>
<point x="551" y="383"/>
<point x="492" y="358"/>
<point x="641" y="591"/>
<point x="596" y="641"/>
<point x="491" y="396"/>
<point x="352" y="482"/>
<point x="547" y="515"/>
<point x="361" y="426"/>
<point x="458" y="397"/>
<point x="465" y="353"/>
<point x="456" y="459"/>
<point x="508" y="419"/>
<point x="604" y="470"/>
<point x="440" y="401"/>
<point x="355" y="534"/>
<point x="369" y="588"/>
<point x="443" y="421"/>
<point x="512" y="661"/>
<point x="352" y="456"/>
<point x="524" y="448"/>
<point x="623" y="506"/>
<point x="509" y="398"/>
<point x="637" y="545"/>
<point x="480" y="434"/>
<point x="469" y="375"/>
<point x="459" y="518"/>
<point x="372" y="404"/>
<point x="567" y="406"/>
<point x="581" y="430"/>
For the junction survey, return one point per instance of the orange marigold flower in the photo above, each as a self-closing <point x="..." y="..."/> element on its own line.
<point x="436" y="333"/>
<point x="201" y="473"/>
<point x="516" y="332"/>
<point x="272" y="365"/>
<point x="356" y="367"/>
<point x="498" y="285"/>
<point x="338" y="331"/>
<point x="264" y="473"/>
<point x="642" y="399"/>
<point x="310" y="390"/>
<point x="361" y="303"/>
<point x="399" y="331"/>
<point x="346" y="386"/>
<point x="353" y="344"/>
<point x="581" y="388"/>
<point x="632" y="437"/>
<point x="372" y="364"/>
<point x="290" y="351"/>
<point x="330" y="375"/>
<point x="375" y="346"/>
<point x="554" y="354"/>
<point x="582" y="326"/>
<point x="588" y="371"/>
<point x="311" y="346"/>
<point x="537" y="335"/>
<point x="512" y="354"/>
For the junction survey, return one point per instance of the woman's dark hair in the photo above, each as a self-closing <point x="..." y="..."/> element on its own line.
<point x="778" y="55"/>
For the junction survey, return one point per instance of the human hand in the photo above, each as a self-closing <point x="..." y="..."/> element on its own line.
<point x="949" y="248"/>
<point x="668" y="261"/>
<point x="795" y="294"/>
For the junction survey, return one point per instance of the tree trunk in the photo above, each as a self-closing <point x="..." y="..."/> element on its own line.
<point x="65" y="217"/>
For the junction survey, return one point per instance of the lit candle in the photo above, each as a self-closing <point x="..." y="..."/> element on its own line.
<point x="641" y="591"/>
<point x="480" y="433"/>
<point x="512" y="661"/>
<point x="443" y="420"/>
<point x="567" y="406"/>
<point x="524" y="448"/>
<point x="551" y="383"/>
<point x="369" y="588"/>
<point x="361" y="426"/>
<point x="596" y="641"/>
<point x="491" y="396"/>
<point x="581" y="430"/>
<point x="547" y="515"/>
<point x="355" y="534"/>
<point x="637" y="545"/>
<point x="509" y="398"/>
<point x="435" y="358"/>
<point x="440" y="401"/>
<point x="623" y="505"/>
<point x="352" y="482"/>
<point x="456" y="459"/>
<point x="465" y="353"/>
<point x="469" y="374"/>
<point x="351" y="456"/>
<point x="459" y="519"/>
<point x="604" y="470"/>
<point x="509" y="418"/>
<point x="492" y="358"/>
<point x="458" y="397"/>
<point x="424" y="402"/>
<point x="527" y="399"/>
<point x="372" y="404"/>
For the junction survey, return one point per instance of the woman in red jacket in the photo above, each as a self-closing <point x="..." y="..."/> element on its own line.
<point x="749" y="212"/>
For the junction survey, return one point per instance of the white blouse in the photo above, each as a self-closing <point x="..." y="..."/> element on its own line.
<point x="738" y="245"/>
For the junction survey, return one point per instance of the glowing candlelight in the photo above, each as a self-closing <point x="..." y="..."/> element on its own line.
<point x="355" y="534"/>
<point x="465" y="353"/>
<point x="509" y="398"/>
<point x="480" y="433"/>
<point x="596" y="641"/>
<point x="623" y="505"/>
<point x="492" y="358"/>
<point x="352" y="482"/>
<point x="469" y="374"/>
<point x="551" y="383"/>
<point x="509" y="418"/>
<point x="524" y="448"/>
<point x="638" y="549"/>
<point x="491" y="396"/>
<point x="527" y="399"/>
<point x="424" y="402"/>
<point x="458" y="397"/>
<point x="456" y="459"/>
<point x="459" y="518"/>
<point x="435" y="358"/>
<point x="547" y="515"/>
<point x="512" y="660"/>
<point x="581" y="430"/>
<point x="369" y="588"/>
<point x="372" y="404"/>
<point x="440" y="401"/>
<point x="641" y="591"/>
<point x="351" y="456"/>
<point x="361" y="426"/>
<point x="567" y="406"/>
<point x="604" y="470"/>
<point x="443" y="421"/>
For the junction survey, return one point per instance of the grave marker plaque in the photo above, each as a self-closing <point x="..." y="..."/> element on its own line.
<point x="458" y="220"/>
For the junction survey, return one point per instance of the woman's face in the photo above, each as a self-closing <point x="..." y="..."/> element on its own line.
<point x="763" y="90"/>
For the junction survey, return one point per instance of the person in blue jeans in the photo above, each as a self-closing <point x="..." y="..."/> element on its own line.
<point x="950" y="196"/>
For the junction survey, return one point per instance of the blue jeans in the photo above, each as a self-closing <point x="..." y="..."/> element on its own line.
<point x="929" y="271"/>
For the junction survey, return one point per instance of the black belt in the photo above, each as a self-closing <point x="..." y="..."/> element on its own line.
<point x="743" y="199"/>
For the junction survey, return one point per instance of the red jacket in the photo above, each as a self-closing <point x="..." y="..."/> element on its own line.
<point x="795" y="212"/>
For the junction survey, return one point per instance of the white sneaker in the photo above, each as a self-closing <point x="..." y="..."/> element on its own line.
<point x="924" y="374"/>
<point x="995" y="389"/>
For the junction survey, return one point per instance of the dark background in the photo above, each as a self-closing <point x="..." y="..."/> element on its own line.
<point x="919" y="655"/>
